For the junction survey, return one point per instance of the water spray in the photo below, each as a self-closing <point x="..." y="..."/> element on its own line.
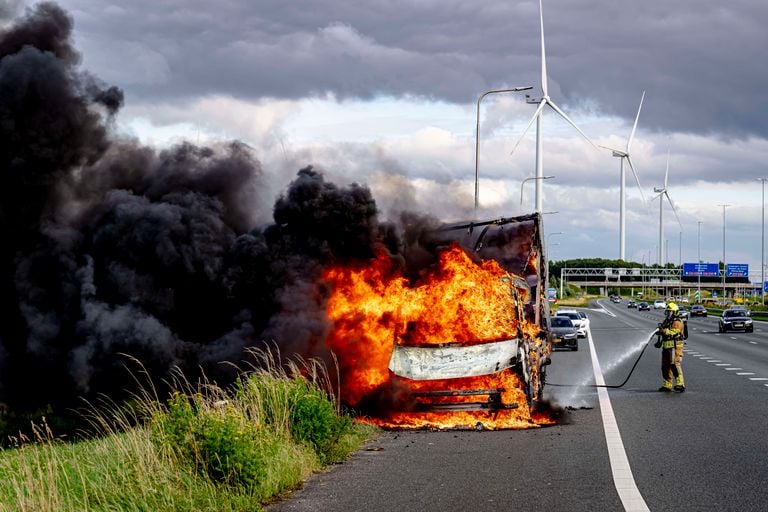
<point x="614" y="386"/>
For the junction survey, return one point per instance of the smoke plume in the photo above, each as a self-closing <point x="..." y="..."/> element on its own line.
<point x="112" y="248"/>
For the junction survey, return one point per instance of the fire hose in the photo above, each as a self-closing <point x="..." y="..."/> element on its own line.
<point x="615" y="386"/>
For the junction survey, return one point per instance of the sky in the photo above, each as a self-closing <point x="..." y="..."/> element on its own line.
<point x="384" y="93"/>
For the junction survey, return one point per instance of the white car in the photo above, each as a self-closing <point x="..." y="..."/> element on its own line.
<point x="580" y="322"/>
<point x="659" y="304"/>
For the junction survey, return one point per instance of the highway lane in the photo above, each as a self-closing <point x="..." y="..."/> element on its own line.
<point x="699" y="450"/>
<point x="703" y="449"/>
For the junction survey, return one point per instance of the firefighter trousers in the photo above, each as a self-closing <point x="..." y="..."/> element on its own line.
<point x="671" y="365"/>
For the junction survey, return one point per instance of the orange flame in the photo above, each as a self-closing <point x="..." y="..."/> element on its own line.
<point x="374" y="307"/>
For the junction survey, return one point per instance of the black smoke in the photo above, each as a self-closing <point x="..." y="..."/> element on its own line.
<point x="112" y="248"/>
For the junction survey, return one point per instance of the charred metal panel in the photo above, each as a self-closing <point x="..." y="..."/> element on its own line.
<point x="446" y="362"/>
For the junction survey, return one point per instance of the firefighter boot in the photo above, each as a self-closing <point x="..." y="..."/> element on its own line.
<point x="679" y="384"/>
<point x="666" y="386"/>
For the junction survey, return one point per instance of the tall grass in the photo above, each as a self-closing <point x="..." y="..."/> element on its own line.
<point x="204" y="449"/>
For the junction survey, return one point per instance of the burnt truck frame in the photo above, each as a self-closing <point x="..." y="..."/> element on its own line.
<point x="516" y="244"/>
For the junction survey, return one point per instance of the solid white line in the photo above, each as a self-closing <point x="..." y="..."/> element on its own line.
<point x="622" y="473"/>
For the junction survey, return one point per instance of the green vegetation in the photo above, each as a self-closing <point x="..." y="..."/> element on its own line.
<point x="204" y="450"/>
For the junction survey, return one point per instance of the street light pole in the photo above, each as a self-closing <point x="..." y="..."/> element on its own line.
<point x="477" y="136"/>
<point x="529" y="179"/>
<point x="762" y="249"/>
<point x="547" y="241"/>
<point x="724" y="206"/>
<point x="698" y="259"/>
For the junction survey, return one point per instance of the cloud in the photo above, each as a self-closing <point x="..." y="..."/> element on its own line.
<point x="697" y="61"/>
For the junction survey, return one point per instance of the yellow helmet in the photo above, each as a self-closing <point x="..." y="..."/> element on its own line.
<point x="671" y="306"/>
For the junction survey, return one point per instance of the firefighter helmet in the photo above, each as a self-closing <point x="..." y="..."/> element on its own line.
<point x="671" y="306"/>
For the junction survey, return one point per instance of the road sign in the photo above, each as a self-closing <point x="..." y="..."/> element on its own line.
<point x="737" y="270"/>
<point x="701" y="269"/>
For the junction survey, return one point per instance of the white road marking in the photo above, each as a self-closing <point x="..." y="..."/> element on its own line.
<point x="723" y="364"/>
<point x="732" y="369"/>
<point x="733" y="337"/>
<point x="745" y="373"/>
<point x="622" y="473"/>
<point x="714" y="361"/>
<point x="753" y="342"/>
<point x="758" y="378"/>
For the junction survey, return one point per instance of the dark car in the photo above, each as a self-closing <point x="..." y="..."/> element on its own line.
<point x="684" y="313"/>
<point x="631" y="304"/>
<point x="735" y="320"/>
<point x="643" y="306"/>
<point x="698" y="310"/>
<point x="564" y="333"/>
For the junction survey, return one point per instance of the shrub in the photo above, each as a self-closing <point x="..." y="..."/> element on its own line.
<point x="218" y="442"/>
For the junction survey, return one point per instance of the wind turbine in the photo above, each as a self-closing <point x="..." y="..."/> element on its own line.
<point x="623" y="194"/>
<point x="545" y="100"/>
<point x="661" y="193"/>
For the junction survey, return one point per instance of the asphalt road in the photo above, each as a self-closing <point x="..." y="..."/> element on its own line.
<point x="705" y="449"/>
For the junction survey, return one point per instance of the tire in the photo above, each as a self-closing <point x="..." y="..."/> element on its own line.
<point x="575" y="348"/>
<point x="705" y="315"/>
<point x="720" y="328"/>
<point x="750" y="330"/>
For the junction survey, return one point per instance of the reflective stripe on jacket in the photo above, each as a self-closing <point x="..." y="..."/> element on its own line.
<point x="672" y="333"/>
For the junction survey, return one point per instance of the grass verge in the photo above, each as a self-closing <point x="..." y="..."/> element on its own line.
<point x="206" y="449"/>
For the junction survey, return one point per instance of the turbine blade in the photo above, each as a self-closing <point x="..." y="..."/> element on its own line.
<point x="673" y="209"/>
<point x="535" y="115"/>
<point x="666" y="174"/>
<point x="634" y="127"/>
<point x="564" y="116"/>
<point x="657" y="196"/>
<point x="634" y="173"/>
<point x="612" y="149"/>
<point x="543" y="52"/>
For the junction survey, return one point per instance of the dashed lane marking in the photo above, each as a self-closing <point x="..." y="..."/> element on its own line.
<point x="723" y="364"/>
<point x="745" y="373"/>
<point x="758" y="378"/>
<point x="753" y="342"/>
<point x="733" y="369"/>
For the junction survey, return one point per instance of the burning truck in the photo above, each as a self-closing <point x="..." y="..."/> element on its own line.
<point x="463" y="346"/>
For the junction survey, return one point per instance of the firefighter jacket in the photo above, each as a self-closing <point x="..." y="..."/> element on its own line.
<point x="671" y="332"/>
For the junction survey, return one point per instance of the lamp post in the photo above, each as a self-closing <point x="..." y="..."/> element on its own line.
<point x="724" y="206"/>
<point x="762" y="249"/>
<point x="529" y="179"/>
<point x="477" y="136"/>
<point x="698" y="258"/>
<point x="548" y="237"/>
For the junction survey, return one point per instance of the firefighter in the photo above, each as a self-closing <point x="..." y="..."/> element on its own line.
<point x="671" y="342"/>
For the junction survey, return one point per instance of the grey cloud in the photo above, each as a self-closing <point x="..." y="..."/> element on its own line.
<point x="698" y="61"/>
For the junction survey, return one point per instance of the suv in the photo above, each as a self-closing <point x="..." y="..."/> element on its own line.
<point x="735" y="320"/>
<point x="659" y="304"/>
